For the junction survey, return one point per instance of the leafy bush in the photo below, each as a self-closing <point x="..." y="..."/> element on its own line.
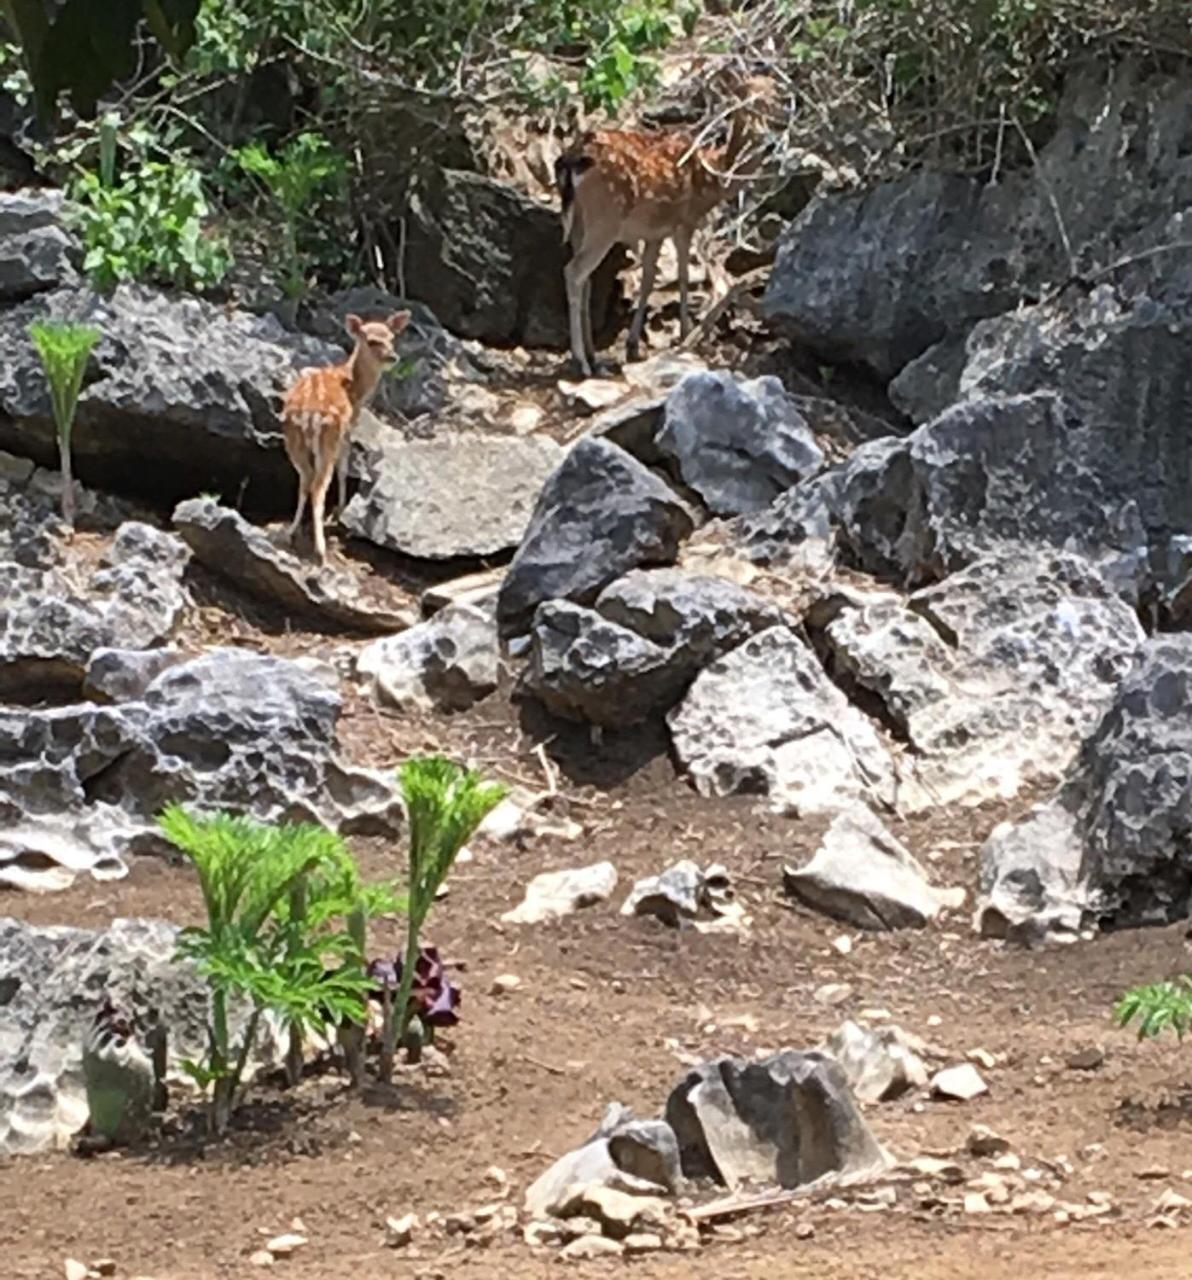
<point x="1160" y="1007"/>
<point x="445" y="803"/>
<point x="64" y="350"/>
<point x="149" y="226"/>
<point x="274" y="897"/>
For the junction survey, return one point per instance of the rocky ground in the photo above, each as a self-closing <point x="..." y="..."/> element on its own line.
<point x="840" y="670"/>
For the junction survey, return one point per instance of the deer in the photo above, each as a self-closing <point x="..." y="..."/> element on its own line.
<point x="321" y="408"/>
<point x="623" y="186"/>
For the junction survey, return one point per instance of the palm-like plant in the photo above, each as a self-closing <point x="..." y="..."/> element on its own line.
<point x="445" y="803"/>
<point x="255" y="945"/>
<point x="64" y="349"/>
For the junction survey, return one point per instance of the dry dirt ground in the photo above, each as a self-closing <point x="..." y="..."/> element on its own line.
<point x="611" y="1008"/>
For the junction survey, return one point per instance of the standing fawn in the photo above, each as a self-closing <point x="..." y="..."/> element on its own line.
<point x="321" y="409"/>
<point x="621" y="186"/>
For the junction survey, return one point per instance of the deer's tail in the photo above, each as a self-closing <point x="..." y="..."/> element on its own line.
<point x="569" y="167"/>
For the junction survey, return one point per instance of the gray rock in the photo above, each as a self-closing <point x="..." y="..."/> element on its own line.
<point x="454" y="496"/>
<point x="680" y="894"/>
<point x="583" y="667"/>
<point x="228" y="545"/>
<point x="36" y="251"/>
<point x="182" y="395"/>
<point x="555" y="894"/>
<point x="879" y="276"/>
<point x="490" y="262"/>
<point x="995" y="676"/>
<point x="448" y="663"/>
<point x="600" y="514"/>
<point x="635" y="654"/>
<point x="51" y="982"/>
<point x="766" y="719"/>
<point x="697" y="617"/>
<point x="48" y="630"/>
<point x="862" y="874"/>
<point x="738" y="444"/>
<point x="430" y="360"/>
<point x="1107" y="847"/>
<point x="230" y="730"/>
<point x="879" y="1063"/>
<point x="788" y="1120"/>
<point x="123" y="675"/>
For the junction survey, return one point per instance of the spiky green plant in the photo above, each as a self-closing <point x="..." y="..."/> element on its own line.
<point x="254" y="946"/>
<point x="445" y="803"/>
<point x="64" y="349"/>
<point x="1158" y="1007"/>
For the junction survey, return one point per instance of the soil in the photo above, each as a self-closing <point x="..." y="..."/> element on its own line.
<point x="613" y="1009"/>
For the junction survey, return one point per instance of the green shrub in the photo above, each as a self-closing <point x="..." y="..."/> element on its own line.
<point x="148" y="225"/>
<point x="1159" y="1007"/>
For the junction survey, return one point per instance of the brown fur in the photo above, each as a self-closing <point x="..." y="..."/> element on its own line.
<point x="321" y="408"/>
<point x="621" y="186"/>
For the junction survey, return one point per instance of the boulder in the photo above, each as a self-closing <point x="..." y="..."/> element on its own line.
<point x="862" y="874"/>
<point x="227" y="544"/>
<point x="230" y="730"/>
<point x="49" y="629"/>
<point x="787" y="1120"/>
<point x="600" y="514"/>
<point x="633" y="655"/>
<point x="447" y="663"/>
<point x="182" y="395"/>
<point x="879" y="1063"/>
<point x="51" y="982"/>
<point x="583" y="667"/>
<point x="1108" y="847"/>
<point x="555" y="894"/>
<point x="489" y="260"/>
<point x="696" y="617"/>
<point x="459" y="495"/>
<point x="738" y="444"/>
<point x="877" y="277"/>
<point x="37" y="252"/>
<point x="993" y="475"/>
<point x="995" y="676"/>
<point x="766" y="719"/>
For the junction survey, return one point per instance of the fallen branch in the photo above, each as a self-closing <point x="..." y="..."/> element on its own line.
<point x="717" y="309"/>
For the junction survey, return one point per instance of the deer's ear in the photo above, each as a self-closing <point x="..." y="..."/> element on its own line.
<point x="353" y="324"/>
<point x="398" y="321"/>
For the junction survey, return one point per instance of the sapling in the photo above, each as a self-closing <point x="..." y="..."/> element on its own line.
<point x="64" y="349"/>
<point x="254" y="947"/>
<point x="1158" y="1007"/>
<point x="445" y="803"/>
<point x="294" y="176"/>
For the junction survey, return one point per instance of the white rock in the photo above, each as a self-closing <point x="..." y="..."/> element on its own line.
<point x="283" y="1245"/>
<point x="504" y="983"/>
<point x="833" y="993"/>
<point x="400" y="1231"/>
<point x="556" y="894"/>
<point x="74" y="1269"/>
<point x="587" y="1248"/>
<point x="962" y="1083"/>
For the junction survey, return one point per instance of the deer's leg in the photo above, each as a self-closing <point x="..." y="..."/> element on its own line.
<point x="585" y="312"/>
<point x="297" y="520"/>
<point x="683" y="252"/>
<point x="649" y="269"/>
<point x="585" y="258"/>
<point x="341" y="473"/>
<point x="320" y="482"/>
